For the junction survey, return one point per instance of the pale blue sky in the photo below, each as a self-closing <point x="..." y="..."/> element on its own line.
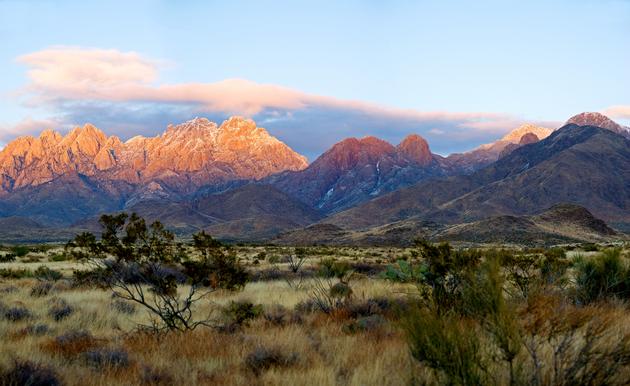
<point x="539" y="61"/>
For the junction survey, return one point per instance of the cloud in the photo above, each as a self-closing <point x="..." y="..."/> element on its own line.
<point x="618" y="112"/>
<point x="121" y="92"/>
<point x="27" y="126"/>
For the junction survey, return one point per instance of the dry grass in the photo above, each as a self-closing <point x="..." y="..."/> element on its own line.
<point x="98" y="343"/>
<point x="313" y="349"/>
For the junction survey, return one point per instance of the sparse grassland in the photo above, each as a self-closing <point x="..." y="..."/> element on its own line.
<point x="333" y="316"/>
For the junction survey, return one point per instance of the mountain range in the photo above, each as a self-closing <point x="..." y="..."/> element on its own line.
<point x="240" y="183"/>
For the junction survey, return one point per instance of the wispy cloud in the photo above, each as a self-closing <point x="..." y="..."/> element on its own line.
<point x="122" y="91"/>
<point x="618" y="112"/>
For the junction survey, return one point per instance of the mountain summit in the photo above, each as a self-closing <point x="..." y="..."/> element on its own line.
<point x="598" y="120"/>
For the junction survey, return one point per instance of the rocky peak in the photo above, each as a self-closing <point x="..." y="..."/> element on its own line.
<point x="416" y="149"/>
<point x="351" y="152"/>
<point x="528" y="138"/>
<point x="515" y="135"/>
<point x="599" y="120"/>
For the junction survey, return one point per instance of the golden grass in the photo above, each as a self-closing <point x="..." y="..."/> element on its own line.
<point x="325" y="354"/>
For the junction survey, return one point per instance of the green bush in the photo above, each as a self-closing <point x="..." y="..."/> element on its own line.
<point x="241" y="312"/>
<point x="45" y="273"/>
<point x="59" y="257"/>
<point x="404" y="272"/>
<point x="20" y="250"/>
<point x="15" y="273"/>
<point x="332" y="268"/>
<point x="606" y="275"/>
<point x="448" y="344"/>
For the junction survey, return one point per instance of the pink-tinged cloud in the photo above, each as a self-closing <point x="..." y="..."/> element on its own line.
<point x="70" y="73"/>
<point x="83" y="72"/>
<point x="618" y="112"/>
<point x="27" y="126"/>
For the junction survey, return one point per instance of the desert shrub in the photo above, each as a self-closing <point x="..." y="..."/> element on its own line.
<point x="523" y="272"/>
<point x="265" y="358"/>
<point x="59" y="257"/>
<point x="331" y="268"/>
<point x="7" y="258"/>
<point x="16" y="314"/>
<point x="296" y="260"/>
<point x="124" y="307"/>
<point x="218" y="267"/>
<point x="385" y="306"/>
<point x="15" y="273"/>
<point x="240" y="313"/>
<point x="29" y="374"/>
<point x="96" y="277"/>
<point x="403" y="272"/>
<point x="35" y="329"/>
<point x="105" y="357"/>
<point x="72" y="343"/>
<point x="483" y="300"/>
<point x="584" y="344"/>
<point x="274" y="259"/>
<point x="20" y="250"/>
<point x="8" y="289"/>
<point x="590" y="247"/>
<point x="444" y="272"/>
<point x="370" y="323"/>
<point x="41" y="288"/>
<point x="603" y="276"/>
<point x="448" y="344"/>
<point x="307" y="306"/>
<point x="276" y="314"/>
<point x="553" y="267"/>
<point x="156" y="377"/>
<point x="146" y="269"/>
<point x="60" y="310"/>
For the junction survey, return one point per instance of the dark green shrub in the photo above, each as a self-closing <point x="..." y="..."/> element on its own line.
<point x="59" y="257"/>
<point x="404" y="272"/>
<point x="240" y="313"/>
<point x="45" y="273"/>
<point x="448" y="344"/>
<point x="332" y="268"/>
<point x="15" y="273"/>
<point x="589" y="247"/>
<point x="20" y="250"/>
<point x="606" y="275"/>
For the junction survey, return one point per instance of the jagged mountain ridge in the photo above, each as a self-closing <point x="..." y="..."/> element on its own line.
<point x="87" y="173"/>
<point x="184" y="157"/>
<point x="355" y="170"/>
<point x="585" y="165"/>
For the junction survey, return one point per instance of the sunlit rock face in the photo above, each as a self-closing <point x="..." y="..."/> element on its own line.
<point x="599" y="120"/>
<point x="193" y="153"/>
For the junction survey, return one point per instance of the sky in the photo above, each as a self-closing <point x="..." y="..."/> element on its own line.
<point x="459" y="73"/>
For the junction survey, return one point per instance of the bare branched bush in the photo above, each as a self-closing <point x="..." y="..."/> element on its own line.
<point x="144" y="265"/>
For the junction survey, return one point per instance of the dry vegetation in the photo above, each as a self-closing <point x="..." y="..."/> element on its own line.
<point x="329" y="316"/>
